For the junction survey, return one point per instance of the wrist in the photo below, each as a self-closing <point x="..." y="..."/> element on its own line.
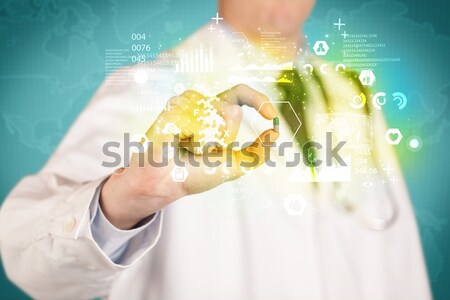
<point x="121" y="204"/>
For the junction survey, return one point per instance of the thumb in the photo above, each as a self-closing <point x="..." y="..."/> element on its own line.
<point x="254" y="155"/>
<point x="267" y="139"/>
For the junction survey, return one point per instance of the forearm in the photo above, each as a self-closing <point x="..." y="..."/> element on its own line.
<point x="132" y="194"/>
<point x="46" y="241"/>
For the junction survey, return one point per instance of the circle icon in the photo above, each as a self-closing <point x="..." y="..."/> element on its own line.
<point x="308" y="68"/>
<point x="340" y="68"/>
<point x="323" y="69"/>
<point x="400" y="100"/>
<point x="414" y="143"/>
<point x="376" y="100"/>
<point x="295" y="204"/>
<point x="358" y="101"/>
<point x="171" y="128"/>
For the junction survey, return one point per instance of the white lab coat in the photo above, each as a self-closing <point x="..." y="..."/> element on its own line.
<point x="236" y="241"/>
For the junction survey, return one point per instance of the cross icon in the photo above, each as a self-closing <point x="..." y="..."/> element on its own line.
<point x="339" y="24"/>
<point x="388" y="169"/>
<point x="394" y="179"/>
<point x="211" y="28"/>
<point x="345" y="34"/>
<point x="217" y="18"/>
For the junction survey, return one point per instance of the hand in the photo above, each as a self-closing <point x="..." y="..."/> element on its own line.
<point x="141" y="189"/>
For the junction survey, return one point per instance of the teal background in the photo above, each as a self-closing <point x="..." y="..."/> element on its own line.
<point x="52" y="60"/>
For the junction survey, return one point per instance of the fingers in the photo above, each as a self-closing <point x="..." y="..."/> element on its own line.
<point x="244" y="95"/>
<point x="202" y="121"/>
<point x="232" y="114"/>
<point x="179" y="118"/>
<point x="252" y="156"/>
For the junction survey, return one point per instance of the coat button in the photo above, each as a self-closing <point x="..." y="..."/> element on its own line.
<point x="69" y="224"/>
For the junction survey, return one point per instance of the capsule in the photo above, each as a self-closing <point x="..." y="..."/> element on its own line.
<point x="276" y="124"/>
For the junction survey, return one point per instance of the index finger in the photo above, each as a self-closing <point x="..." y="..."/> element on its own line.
<point x="242" y="94"/>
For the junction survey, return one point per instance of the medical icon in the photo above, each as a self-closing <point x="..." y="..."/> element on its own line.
<point x="367" y="77"/>
<point x="388" y="169"/>
<point x="217" y="18"/>
<point x="179" y="174"/>
<point x="276" y="124"/>
<point x="378" y="100"/>
<point x="393" y="136"/>
<point x="295" y="204"/>
<point x="400" y="100"/>
<point x="358" y="101"/>
<point x="171" y="128"/>
<point x="339" y="24"/>
<point x="321" y="48"/>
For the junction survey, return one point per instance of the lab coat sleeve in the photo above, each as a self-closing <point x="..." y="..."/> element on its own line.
<point x="115" y="242"/>
<point x="47" y="245"/>
<point x="46" y="241"/>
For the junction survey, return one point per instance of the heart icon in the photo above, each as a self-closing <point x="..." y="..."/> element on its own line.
<point x="393" y="136"/>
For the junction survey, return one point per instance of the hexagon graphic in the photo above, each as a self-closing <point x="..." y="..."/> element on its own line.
<point x="295" y="204"/>
<point x="238" y="39"/>
<point x="367" y="77"/>
<point x="179" y="174"/>
<point x="321" y="48"/>
<point x="393" y="136"/>
<point x="252" y="122"/>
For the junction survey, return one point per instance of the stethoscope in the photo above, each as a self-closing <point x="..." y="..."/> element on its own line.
<point x="387" y="203"/>
<point x="387" y="208"/>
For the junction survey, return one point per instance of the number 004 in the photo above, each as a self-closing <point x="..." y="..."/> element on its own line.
<point x="138" y="36"/>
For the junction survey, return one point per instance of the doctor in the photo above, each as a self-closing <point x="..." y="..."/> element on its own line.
<point x="79" y="229"/>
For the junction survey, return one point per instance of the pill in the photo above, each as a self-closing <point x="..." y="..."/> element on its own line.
<point x="276" y="124"/>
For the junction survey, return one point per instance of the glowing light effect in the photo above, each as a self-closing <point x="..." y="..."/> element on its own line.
<point x="414" y="143"/>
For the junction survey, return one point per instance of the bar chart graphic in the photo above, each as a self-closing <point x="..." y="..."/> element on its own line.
<point x="198" y="60"/>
